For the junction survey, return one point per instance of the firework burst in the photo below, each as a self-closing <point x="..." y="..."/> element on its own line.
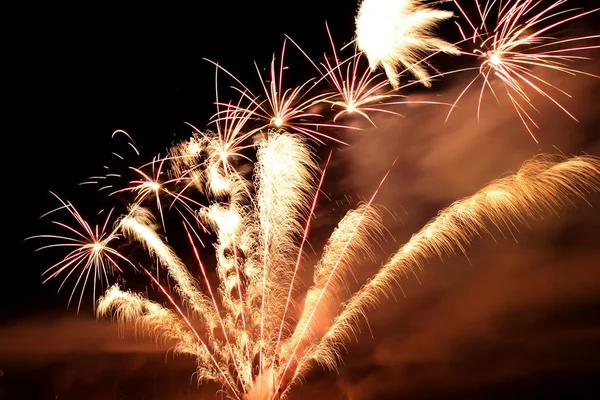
<point x="91" y="256"/>
<point x="282" y="108"/>
<point x="514" y="42"/>
<point x="394" y="33"/>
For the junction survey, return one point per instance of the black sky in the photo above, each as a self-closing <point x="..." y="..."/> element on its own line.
<point x="76" y="74"/>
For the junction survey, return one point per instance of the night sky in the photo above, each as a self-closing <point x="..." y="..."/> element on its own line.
<point x="513" y="321"/>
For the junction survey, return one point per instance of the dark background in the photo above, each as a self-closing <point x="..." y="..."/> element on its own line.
<point x="76" y="74"/>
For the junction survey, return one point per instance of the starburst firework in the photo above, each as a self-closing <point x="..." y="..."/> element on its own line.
<point x="514" y="42"/>
<point x="257" y="332"/>
<point x="357" y="90"/>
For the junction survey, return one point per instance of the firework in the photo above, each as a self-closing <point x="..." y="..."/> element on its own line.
<point x="357" y="90"/>
<point x="91" y="254"/>
<point x="282" y="108"/>
<point x="243" y="333"/>
<point x="258" y="330"/>
<point x="394" y="33"/>
<point x="148" y="186"/>
<point x="514" y="43"/>
<point x="542" y="185"/>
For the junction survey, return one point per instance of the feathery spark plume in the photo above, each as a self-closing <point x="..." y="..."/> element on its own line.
<point x="395" y="33"/>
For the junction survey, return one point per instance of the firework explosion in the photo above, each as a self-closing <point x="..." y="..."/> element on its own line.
<point x="512" y="40"/>
<point x="397" y="33"/>
<point x="257" y="331"/>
